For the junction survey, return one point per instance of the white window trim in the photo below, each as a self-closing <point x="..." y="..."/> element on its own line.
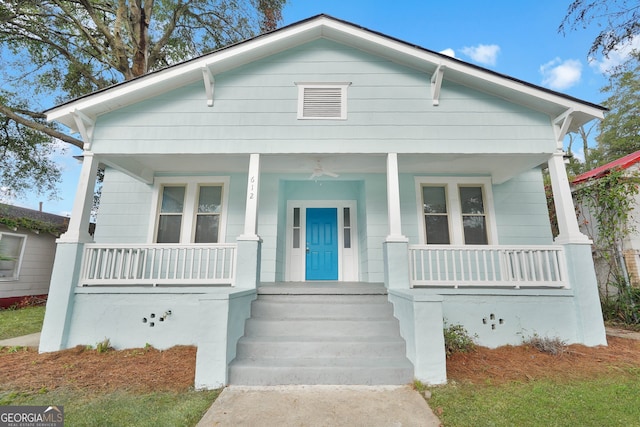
<point x="16" y="271"/>
<point x="326" y="85"/>
<point x="187" y="228"/>
<point x="451" y="184"/>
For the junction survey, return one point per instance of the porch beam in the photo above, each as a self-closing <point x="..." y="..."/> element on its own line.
<point x="436" y="84"/>
<point x="569" y="231"/>
<point x="78" y="230"/>
<point x="209" y="84"/>
<point x="253" y="187"/>
<point x="393" y="200"/>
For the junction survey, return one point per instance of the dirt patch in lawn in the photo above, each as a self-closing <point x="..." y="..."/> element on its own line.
<point x="147" y="370"/>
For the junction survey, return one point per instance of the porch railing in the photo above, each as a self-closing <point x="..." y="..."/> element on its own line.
<point x="499" y="266"/>
<point x="158" y="264"/>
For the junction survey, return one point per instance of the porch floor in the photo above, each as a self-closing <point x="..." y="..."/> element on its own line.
<point x="322" y="288"/>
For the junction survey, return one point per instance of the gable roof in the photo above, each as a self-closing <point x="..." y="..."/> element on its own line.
<point x="555" y="104"/>
<point x="622" y="163"/>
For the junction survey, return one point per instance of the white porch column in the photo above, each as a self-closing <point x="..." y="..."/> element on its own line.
<point x="393" y="200"/>
<point x="251" y="213"/>
<point x="396" y="246"/>
<point x="249" y="243"/>
<point x="569" y="232"/>
<point x="78" y="230"/>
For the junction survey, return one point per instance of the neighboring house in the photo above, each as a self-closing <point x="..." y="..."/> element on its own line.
<point x="309" y="165"/>
<point x="630" y="245"/>
<point x="27" y="249"/>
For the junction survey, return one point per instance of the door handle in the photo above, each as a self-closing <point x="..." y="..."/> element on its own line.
<point x="307" y="249"/>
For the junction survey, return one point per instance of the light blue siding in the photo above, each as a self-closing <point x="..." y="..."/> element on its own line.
<point x="125" y="209"/>
<point x="255" y="111"/>
<point x="521" y="210"/>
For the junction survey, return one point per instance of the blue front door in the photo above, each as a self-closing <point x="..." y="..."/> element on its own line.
<point x="322" y="244"/>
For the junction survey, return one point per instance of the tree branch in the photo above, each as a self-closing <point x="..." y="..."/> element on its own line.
<point x="40" y="127"/>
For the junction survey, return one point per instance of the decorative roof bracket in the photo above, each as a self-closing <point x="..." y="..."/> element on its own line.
<point x="561" y="126"/>
<point x="85" y="125"/>
<point x="436" y="84"/>
<point x="209" y="82"/>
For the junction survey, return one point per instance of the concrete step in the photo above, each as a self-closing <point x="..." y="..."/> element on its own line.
<point x="321" y="327"/>
<point x="322" y="347"/>
<point x="283" y="310"/>
<point x="296" y="337"/>
<point x="363" y="371"/>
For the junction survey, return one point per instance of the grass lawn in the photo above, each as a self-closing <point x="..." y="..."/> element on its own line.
<point x="24" y="321"/>
<point x="121" y="408"/>
<point x="602" y="401"/>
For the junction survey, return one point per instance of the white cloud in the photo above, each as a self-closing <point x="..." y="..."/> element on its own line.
<point x="483" y="53"/>
<point x="449" y="52"/>
<point x="617" y="56"/>
<point x="559" y="75"/>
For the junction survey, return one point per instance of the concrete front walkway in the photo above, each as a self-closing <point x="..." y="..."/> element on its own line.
<point x="309" y="406"/>
<point x="31" y="340"/>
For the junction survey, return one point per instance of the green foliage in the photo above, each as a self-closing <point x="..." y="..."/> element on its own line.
<point x="457" y="340"/>
<point x="64" y="49"/>
<point x="104" y="346"/>
<point x="610" y="401"/>
<point x="620" y="129"/>
<point x="623" y="307"/>
<point x="606" y="215"/>
<point x="24" y="321"/>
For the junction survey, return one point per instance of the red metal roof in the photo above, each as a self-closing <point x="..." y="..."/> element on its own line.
<point x="622" y="163"/>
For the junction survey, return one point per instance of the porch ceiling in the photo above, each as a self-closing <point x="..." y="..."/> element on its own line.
<point x="499" y="167"/>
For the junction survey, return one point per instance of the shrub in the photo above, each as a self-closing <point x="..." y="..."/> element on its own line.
<point x="457" y="340"/>
<point x="554" y="346"/>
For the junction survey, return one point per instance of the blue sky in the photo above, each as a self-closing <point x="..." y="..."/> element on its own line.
<point x="514" y="37"/>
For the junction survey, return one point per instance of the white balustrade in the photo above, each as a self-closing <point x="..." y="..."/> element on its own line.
<point x="158" y="264"/>
<point x="487" y="266"/>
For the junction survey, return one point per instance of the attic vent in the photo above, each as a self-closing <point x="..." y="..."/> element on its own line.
<point x="322" y="101"/>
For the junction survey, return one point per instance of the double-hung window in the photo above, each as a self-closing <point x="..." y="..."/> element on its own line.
<point x="11" y="253"/>
<point x="190" y="210"/>
<point x="455" y="211"/>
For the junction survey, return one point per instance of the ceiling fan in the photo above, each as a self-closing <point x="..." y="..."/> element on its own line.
<point x="319" y="171"/>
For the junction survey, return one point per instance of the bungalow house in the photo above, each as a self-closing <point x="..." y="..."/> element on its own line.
<point x="315" y="204"/>
<point x="27" y="249"/>
<point x="630" y="245"/>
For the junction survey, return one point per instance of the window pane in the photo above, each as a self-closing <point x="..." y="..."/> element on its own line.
<point x="347" y="238"/>
<point x="169" y="228"/>
<point x="347" y="217"/>
<point x="296" y="217"/>
<point x="437" y="229"/>
<point x="172" y="200"/>
<point x="296" y="238"/>
<point x="475" y="230"/>
<point x="209" y="199"/>
<point x="471" y="200"/>
<point x="10" y="250"/>
<point x="207" y="229"/>
<point x="434" y="199"/>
